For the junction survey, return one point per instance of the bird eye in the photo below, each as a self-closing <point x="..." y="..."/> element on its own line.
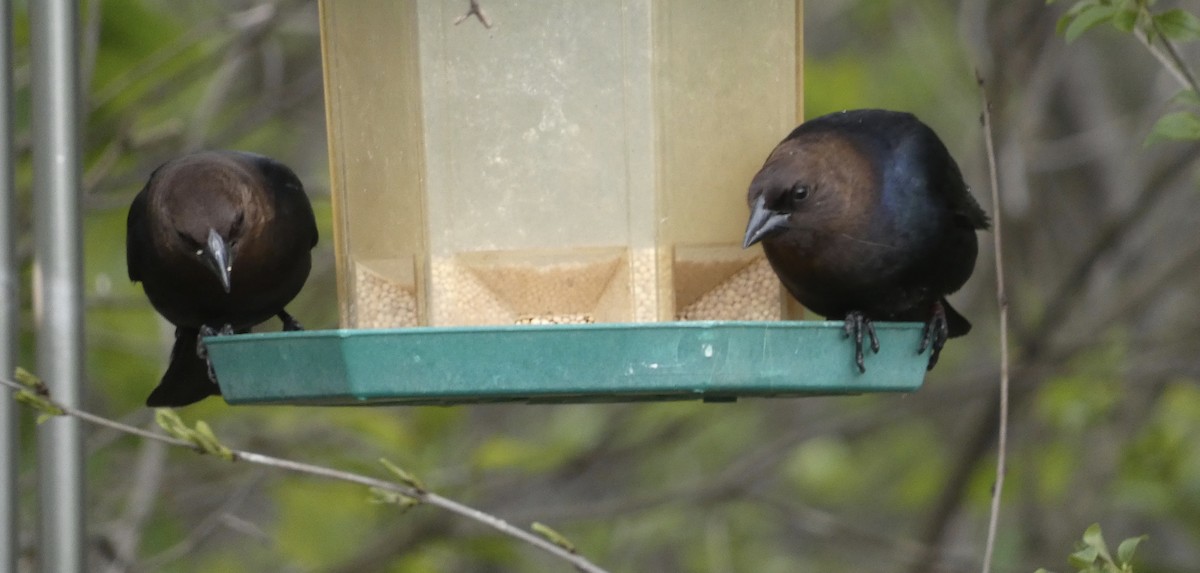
<point x="800" y="192"/>
<point x="199" y="252"/>
<point x="191" y="244"/>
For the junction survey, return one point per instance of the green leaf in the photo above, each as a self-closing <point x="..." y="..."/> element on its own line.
<point x="407" y="478"/>
<point x="1083" y="558"/>
<point x="1187" y="97"/>
<point x="171" y="423"/>
<point x="201" y="436"/>
<point x="1088" y="19"/>
<point x="385" y="496"/>
<point x="1073" y="13"/>
<point x="44" y="406"/>
<point x="1092" y="537"/>
<point x="553" y="536"/>
<point x="1177" y="126"/>
<point x="1126" y="549"/>
<point x="209" y="442"/>
<point x="1043" y="569"/>
<point x="28" y="379"/>
<point x="1178" y="25"/>
<point x="1126" y="19"/>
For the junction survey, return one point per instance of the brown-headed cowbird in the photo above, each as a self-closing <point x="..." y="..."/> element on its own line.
<point x="864" y="215"/>
<point x="220" y="241"/>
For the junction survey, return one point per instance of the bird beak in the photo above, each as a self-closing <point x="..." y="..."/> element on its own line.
<point x="220" y="260"/>
<point x="763" y="223"/>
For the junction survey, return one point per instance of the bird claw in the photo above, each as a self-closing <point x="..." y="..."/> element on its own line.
<point x="854" y="326"/>
<point x="290" y="323"/>
<point x="936" y="332"/>
<point x="202" y="349"/>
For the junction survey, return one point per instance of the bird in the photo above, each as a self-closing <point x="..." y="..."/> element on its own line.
<point x="221" y="241"/>
<point x="864" y="215"/>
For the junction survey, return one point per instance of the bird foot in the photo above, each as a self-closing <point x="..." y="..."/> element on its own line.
<point x="289" y="322"/>
<point x="856" y="324"/>
<point x="936" y="332"/>
<point x="202" y="349"/>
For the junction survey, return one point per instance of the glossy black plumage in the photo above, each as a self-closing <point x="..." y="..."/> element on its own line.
<point x="220" y="241"/>
<point x="864" y="215"/>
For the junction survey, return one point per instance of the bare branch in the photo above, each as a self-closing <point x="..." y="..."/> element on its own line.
<point x="126" y="534"/>
<point x="1002" y="301"/>
<point x="205" y="528"/>
<point x="1168" y="56"/>
<point x="576" y="560"/>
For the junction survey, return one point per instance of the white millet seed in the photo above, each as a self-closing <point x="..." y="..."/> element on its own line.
<point x="752" y="293"/>
<point x="381" y="303"/>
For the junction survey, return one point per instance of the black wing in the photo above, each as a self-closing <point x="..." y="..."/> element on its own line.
<point x="135" y="235"/>
<point x="290" y="199"/>
<point x="962" y="203"/>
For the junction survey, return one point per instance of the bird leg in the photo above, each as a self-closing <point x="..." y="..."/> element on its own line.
<point x="202" y="349"/>
<point x="856" y="323"/>
<point x="937" y="330"/>
<point x="289" y="322"/>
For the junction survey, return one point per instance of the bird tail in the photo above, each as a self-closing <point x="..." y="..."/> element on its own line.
<point x="957" y="323"/>
<point x="186" y="380"/>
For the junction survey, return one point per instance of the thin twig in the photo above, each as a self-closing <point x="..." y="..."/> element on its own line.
<point x="204" y="529"/>
<point x="576" y="560"/>
<point x="126" y="533"/>
<point x="1170" y="58"/>
<point x="1002" y="301"/>
<point x="477" y="12"/>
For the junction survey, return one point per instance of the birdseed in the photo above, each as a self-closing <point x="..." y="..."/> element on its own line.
<point x="382" y="303"/>
<point x="612" y="289"/>
<point x="752" y="293"/>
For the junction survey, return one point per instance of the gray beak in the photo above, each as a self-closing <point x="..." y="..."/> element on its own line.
<point x="763" y="223"/>
<point x="220" y="260"/>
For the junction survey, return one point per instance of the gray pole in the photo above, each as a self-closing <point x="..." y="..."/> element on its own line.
<point x="10" y="276"/>
<point x="58" y="306"/>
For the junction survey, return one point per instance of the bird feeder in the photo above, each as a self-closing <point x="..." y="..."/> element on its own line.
<point x="575" y="162"/>
<point x="547" y="198"/>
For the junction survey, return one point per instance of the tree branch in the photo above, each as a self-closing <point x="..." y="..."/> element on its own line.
<point x="1168" y="56"/>
<point x="1002" y="302"/>
<point x="421" y="495"/>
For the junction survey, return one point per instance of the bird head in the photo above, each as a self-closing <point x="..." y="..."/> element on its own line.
<point x="216" y="247"/>
<point x="817" y="182"/>
<point x="772" y="209"/>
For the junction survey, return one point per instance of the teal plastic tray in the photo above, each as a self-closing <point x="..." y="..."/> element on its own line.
<point x="714" y="361"/>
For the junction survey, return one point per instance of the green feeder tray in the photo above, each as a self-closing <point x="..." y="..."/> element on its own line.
<point x="712" y="361"/>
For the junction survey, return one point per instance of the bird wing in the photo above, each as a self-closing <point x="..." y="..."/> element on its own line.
<point x="135" y="239"/>
<point x="962" y="203"/>
<point x="293" y="203"/>
<point x="289" y="192"/>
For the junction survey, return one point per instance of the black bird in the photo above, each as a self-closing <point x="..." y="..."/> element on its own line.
<point x="863" y="214"/>
<point x="220" y="241"/>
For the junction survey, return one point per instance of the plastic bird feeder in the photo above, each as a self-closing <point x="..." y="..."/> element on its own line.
<point x="713" y="361"/>
<point x="541" y="209"/>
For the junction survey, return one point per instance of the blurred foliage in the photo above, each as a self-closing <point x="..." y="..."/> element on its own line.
<point x="1158" y="29"/>
<point x="1093" y="555"/>
<point x="1106" y="417"/>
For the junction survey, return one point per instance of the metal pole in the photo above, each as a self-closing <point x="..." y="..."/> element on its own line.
<point x="10" y="276"/>
<point x="58" y="276"/>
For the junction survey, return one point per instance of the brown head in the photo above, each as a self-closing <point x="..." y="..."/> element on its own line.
<point x="207" y="204"/>
<point x="814" y="182"/>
